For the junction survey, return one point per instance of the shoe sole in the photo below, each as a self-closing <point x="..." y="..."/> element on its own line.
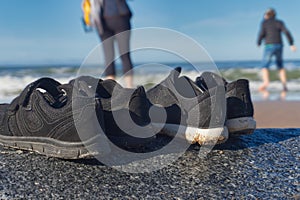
<point x="59" y="149"/>
<point x="241" y="126"/>
<point x="195" y="135"/>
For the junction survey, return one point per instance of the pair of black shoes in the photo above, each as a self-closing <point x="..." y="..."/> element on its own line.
<point x="84" y="117"/>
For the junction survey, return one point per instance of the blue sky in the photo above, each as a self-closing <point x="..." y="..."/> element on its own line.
<point x="50" y="31"/>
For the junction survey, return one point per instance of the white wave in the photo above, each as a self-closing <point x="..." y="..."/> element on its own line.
<point x="12" y="86"/>
<point x="293" y="86"/>
<point x="291" y="66"/>
<point x="275" y="89"/>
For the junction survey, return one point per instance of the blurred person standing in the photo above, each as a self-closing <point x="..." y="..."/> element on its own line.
<point x="270" y="32"/>
<point x="111" y="18"/>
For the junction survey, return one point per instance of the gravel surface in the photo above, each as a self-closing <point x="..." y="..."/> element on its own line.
<point x="264" y="165"/>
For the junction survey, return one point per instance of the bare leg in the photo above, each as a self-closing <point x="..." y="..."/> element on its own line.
<point x="109" y="55"/>
<point x="265" y="77"/>
<point x="129" y="81"/>
<point x="110" y="77"/>
<point x="282" y="76"/>
<point x="283" y="95"/>
<point x="265" y="94"/>
<point x="124" y="50"/>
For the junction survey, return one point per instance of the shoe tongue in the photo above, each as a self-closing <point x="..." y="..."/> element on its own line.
<point x="140" y="91"/>
<point x="183" y="85"/>
<point x="107" y="87"/>
<point x="139" y="105"/>
<point x="186" y="87"/>
<point x="175" y="73"/>
<point x="84" y="89"/>
<point x="210" y="80"/>
<point x="78" y="87"/>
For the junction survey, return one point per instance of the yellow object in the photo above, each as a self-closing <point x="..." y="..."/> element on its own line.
<point x="86" y="8"/>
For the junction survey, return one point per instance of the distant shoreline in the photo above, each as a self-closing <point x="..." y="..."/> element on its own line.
<point x="78" y="63"/>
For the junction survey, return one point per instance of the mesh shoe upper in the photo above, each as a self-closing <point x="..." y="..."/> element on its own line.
<point x="49" y="113"/>
<point x="239" y="103"/>
<point x="125" y="110"/>
<point x="194" y="107"/>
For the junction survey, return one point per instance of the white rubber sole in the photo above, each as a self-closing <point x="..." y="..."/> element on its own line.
<point x="241" y="126"/>
<point x="194" y="135"/>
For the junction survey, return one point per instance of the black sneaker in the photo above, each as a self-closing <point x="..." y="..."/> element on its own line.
<point x="239" y="105"/>
<point x="191" y="112"/>
<point x="125" y="112"/>
<point x="42" y="119"/>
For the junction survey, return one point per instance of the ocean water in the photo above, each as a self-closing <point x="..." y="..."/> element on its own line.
<point x="13" y="79"/>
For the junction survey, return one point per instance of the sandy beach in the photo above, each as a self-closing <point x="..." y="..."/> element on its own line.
<point x="277" y="114"/>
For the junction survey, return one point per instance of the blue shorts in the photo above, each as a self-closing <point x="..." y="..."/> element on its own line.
<point x="270" y="51"/>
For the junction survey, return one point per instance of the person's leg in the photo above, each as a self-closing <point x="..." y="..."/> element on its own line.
<point x="122" y="30"/>
<point x="265" y="68"/>
<point x="107" y="39"/>
<point x="281" y="70"/>
<point x="109" y="53"/>
<point x="265" y="78"/>
<point x="123" y="43"/>
<point x="283" y="79"/>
